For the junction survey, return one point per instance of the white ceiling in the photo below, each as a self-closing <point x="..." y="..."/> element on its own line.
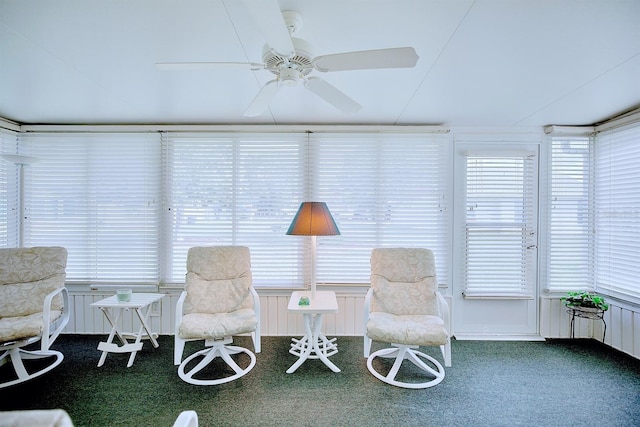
<point x="482" y="62"/>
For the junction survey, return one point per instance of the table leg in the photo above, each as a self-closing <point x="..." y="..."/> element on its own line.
<point x="304" y="345"/>
<point x="322" y="353"/>
<point x="114" y="331"/>
<point x="144" y="326"/>
<point x="314" y="345"/>
<point x="144" y="320"/>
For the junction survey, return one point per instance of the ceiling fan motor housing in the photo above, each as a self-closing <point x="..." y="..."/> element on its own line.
<point x="289" y="70"/>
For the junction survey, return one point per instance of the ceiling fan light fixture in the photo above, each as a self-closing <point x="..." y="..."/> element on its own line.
<point x="289" y="77"/>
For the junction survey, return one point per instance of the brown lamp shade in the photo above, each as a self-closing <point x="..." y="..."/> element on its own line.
<point x="313" y="219"/>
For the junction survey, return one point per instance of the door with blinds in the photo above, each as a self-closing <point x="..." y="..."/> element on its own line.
<point x="495" y="279"/>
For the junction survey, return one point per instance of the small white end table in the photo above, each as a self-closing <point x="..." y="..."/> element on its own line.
<point x="113" y="309"/>
<point x="314" y="345"/>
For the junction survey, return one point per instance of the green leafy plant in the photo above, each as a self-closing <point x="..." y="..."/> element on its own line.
<point x="585" y="299"/>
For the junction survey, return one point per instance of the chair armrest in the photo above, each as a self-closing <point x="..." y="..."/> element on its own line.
<point x="179" y="310"/>
<point x="367" y="310"/>
<point x="367" y="307"/>
<point x="443" y="307"/>
<point x="256" y="301"/>
<point x="256" y="308"/>
<point x="48" y="336"/>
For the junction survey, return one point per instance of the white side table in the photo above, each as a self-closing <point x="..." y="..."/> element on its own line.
<point x="113" y="309"/>
<point x="314" y="345"/>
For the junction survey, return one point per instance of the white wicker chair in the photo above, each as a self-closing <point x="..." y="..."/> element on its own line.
<point x="60" y="418"/>
<point x="404" y="308"/>
<point x="219" y="302"/>
<point x="36" y="418"/>
<point x="186" y="419"/>
<point x="34" y="306"/>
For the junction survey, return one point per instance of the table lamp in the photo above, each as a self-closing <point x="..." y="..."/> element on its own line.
<point x="313" y="219"/>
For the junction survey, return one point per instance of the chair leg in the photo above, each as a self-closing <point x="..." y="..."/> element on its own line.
<point x="225" y="352"/>
<point x="400" y="353"/>
<point x="178" y="349"/>
<point x="446" y="353"/>
<point x="367" y="345"/>
<point x="17" y="356"/>
<point x="255" y="336"/>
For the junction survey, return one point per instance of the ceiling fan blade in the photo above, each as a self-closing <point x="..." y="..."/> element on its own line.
<point x="268" y="19"/>
<point x="196" y="66"/>
<point x="262" y="99"/>
<point x="332" y="95"/>
<point x="397" y="57"/>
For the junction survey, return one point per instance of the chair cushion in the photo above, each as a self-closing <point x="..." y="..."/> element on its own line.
<point x="217" y="326"/>
<point x="19" y="265"/>
<point x="27" y="276"/>
<point x="218" y="279"/>
<point x="17" y="328"/>
<point x="403" y="264"/>
<point x="407" y="329"/>
<point x="404" y="297"/>
<point x="219" y="262"/>
<point x="217" y="296"/>
<point x="23" y="299"/>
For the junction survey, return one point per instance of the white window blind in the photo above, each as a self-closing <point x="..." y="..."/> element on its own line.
<point x="129" y="206"/>
<point x="617" y="237"/>
<point x="384" y="190"/>
<point x="570" y="216"/>
<point x="97" y="195"/>
<point x="240" y="189"/>
<point x="8" y="191"/>
<point x="500" y="226"/>
<point x="246" y="188"/>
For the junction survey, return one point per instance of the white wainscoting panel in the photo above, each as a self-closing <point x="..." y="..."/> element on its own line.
<point x="623" y="321"/>
<point x="623" y="325"/>
<point x="274" y="316"/>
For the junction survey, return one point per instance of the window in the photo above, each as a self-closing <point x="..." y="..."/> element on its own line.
<point x="8" y="192"/>
<point x="500" y="231"/>
<point x="383" y="191"/>
<point x="246" y="188"/>
<point x="234" y="189"/>
<point x="570" y="217"/>
<point x="98" y="195"/>
<point x="617" y="204"/>
<point x="128" y="206"/>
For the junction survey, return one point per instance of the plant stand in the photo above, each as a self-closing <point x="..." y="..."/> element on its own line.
<point x="586" y="313"/>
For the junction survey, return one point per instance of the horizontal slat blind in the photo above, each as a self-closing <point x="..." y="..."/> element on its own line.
<point x="129" y="206"/>
<point x="97" y="195"/>
<point x="617" y="192"/>
<point x="500" y="230"/>
<point x="240" y="189"/>
<point x="8" y="191"/>
<point x="570" y="218"/>
<point x="384" y="190"/>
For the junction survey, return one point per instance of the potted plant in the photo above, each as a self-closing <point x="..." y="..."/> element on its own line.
<point x="585" y="301"/>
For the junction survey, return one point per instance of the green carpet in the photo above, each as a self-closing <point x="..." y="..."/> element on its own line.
<point x="504" y="383"/>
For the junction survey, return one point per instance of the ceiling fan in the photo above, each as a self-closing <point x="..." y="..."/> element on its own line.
<point x="291" y="60"/>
